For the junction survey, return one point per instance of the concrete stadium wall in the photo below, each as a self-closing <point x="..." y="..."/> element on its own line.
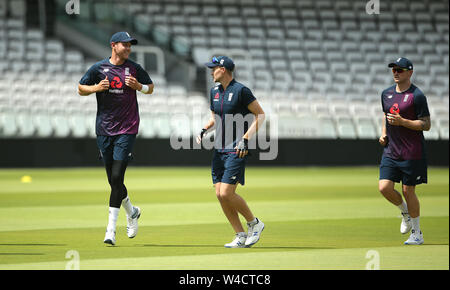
<point x="158" y="152"/>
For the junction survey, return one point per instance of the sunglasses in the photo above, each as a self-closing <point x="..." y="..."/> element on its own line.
<point x="215" y="60"/>
<point x="399" y="70"/>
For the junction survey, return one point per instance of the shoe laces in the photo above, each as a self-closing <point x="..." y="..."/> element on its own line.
<point x="406" y="217"/>
<point x="250" y="228"/>
<point x="250" y="231"/>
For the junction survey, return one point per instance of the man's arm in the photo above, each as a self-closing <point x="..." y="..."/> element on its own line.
<point x="422" y="124"/>
<point x="383" y="139"/>
<point x="209" y="125"/>
<point x="256" y="110"/>
<point x="133" y="83"/>
<point x="211" y="122"/>
<point x="85" y="90"/>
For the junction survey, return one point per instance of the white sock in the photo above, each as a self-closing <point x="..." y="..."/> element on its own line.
<point x="112" y="220"/>
<point x="242" y="234"/>
<point x="403" y="207"/>
<point x="415" y="224"/>
<point x="253" y="222"/>
<point x="126" y="203"/>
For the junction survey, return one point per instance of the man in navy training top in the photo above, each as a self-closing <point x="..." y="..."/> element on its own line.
<point x="404" y="159"/>
<point x="229" y="101"/>
<point x="115" y="81"/>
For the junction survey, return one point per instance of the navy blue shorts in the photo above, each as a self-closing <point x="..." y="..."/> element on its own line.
<point x="117" y="147"/>
<point x="228" y="168"/>
<point x="409" y="172"/>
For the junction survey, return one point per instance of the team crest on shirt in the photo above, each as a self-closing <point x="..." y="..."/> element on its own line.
<point x="390" y="97"/>
<point x="116" y="83"/>
<point x="216" y="97"/>
<point x="116" y="86"/>
<point x="230" y="96"/>
<point x="406" y="98"/>
<point x="394" y="109"/>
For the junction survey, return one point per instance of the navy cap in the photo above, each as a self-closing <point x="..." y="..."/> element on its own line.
<point x="123" y="37"/>
<point x="223" y="61"/>
<point x="402" y="62"/>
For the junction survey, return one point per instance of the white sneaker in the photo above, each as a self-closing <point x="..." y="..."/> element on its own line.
<point x="238" y="242"/>
<point x="406" y="225"/>
<point x="132" y="223"/>
<point x="110" y="237"/>
<point x="415" y="238"/>
<point x="254" y="232"/>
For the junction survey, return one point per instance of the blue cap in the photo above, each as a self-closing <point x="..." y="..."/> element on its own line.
<point x="402" y="62"/>
<point x="223" y="61"/>
<point x="123" y="37"/>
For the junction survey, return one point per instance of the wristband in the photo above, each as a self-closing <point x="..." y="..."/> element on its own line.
<point x="144" y="89"/>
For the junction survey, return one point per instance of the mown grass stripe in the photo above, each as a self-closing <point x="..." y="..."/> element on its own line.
<point x="390" y="258"/>
<point x="52" y="217"/>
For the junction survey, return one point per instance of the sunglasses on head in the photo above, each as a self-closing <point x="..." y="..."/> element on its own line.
<point x="215" y="60"/>
<point x="399" y="70"/>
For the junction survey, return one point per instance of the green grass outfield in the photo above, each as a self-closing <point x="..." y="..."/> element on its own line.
<point x="316" y="218"/>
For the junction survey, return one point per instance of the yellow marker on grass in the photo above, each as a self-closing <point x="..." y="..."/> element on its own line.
<point x="26" y="179"/>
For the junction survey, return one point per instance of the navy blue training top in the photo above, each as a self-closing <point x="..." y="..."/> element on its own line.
<point x="231" y="114"/>
<point x="404" y="143"/>
<point x="117" y="107"/>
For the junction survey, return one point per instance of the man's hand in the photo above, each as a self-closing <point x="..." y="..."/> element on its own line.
<point x="133" y="83"/>
<point x="242" y="148"/>
<point x="394" y="119"/>
<point x="200" y="136"/>
<point x="103" y="85"/>
<point x="383" y="140"/>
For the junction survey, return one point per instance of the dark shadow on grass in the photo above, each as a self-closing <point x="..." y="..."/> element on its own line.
<point x="21" y="254"/>
<point x="35" y="245"/>
<point x="292" y="248"/>
<point x="221" y="246"/>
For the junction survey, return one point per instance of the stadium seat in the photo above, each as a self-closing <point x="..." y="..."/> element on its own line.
<point x="291" y="126"/>
<point x="326" y="128"/>
<point x="146" y="129"/>
<point x="365" y="128"/>
<point x="443" y="129"/>
<point x="60" y="124"/>
<point x="345" y="128"/>
<point x="3" y="8"/>
<point x="26" y="127"/>
<point x="90" y="124"/>
<point x="77" y="122"/>
<point x="43" y="125"/>
<point x="320" y="109"/>
<point x="17" y="8"/>
<point x="162" y="124"/>
<point x="433" y="133"/>
<point x="8" y="124"/>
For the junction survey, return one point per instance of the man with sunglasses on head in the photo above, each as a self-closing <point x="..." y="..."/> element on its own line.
<point x="230" y="101"/>
<point x="115" y="81"/>
<point x="404" y="157"/>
